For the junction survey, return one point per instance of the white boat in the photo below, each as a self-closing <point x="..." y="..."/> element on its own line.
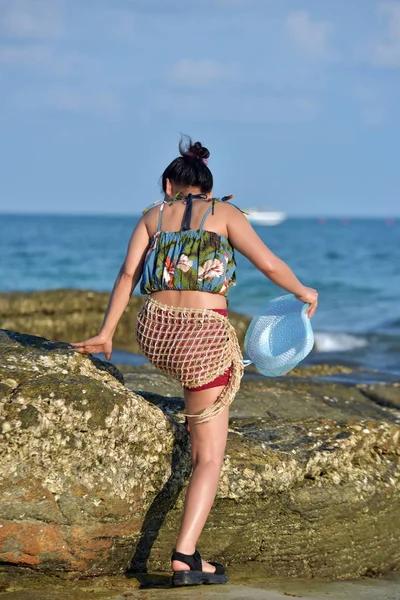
<point x="264" y="217"/>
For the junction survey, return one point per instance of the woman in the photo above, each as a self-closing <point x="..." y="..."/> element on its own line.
<point x="183" y="252"/>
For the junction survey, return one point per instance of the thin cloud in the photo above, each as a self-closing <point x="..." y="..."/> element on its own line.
<point x="31" y="19"/>
<point x="44" y="60"/>
<point x="118" y="25"/>
<point x="187" y="6"/>
<point x="373" y="106"/>
<point x="70" y="100"/>
<point x="312" y="37"/>
<point x="386" y="52"/>
<point x="200" y="73"/>
<point x="28" y="55"/>
<point x="248" y="108"/>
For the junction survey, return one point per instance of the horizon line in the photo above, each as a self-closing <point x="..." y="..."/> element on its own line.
<point x="288" y="216"/>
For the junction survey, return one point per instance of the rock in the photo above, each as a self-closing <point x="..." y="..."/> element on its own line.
<point x="82" y="459"/>
<point x="277" y="398"/>
<point x="245" y="583"/>
<point x="92" y="476"/>
<point x="383" y="394"/>
<point x="74" y="315"/>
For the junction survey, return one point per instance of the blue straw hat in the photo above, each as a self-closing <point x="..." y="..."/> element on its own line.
<point x="279" y="337"/>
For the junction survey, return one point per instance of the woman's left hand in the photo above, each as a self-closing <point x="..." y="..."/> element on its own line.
<point x="95" y="345"/>
<point x="309" y="296"/>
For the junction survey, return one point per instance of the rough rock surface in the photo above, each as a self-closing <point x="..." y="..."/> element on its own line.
<point x="310" y="483"/>
<point x="73" y="315"/>
<point x="279" y="398"/>
<point x="81" y="459"/>
<point x="245" y="583"/>
<point x="383" y="394"/>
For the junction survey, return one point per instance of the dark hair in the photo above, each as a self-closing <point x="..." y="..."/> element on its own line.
<point x="190" y="168"/>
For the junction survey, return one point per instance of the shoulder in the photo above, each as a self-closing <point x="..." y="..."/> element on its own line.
<point x="228" y="210"/>
<point x="150" y="213"/>
<point x="152" y="208"/>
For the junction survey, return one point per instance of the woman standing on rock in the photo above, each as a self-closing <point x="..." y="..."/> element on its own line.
<point x="182" y="249"/>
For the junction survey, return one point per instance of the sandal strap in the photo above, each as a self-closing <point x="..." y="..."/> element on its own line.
<point x="219" y="569"/>
<point x="192" y="560"/>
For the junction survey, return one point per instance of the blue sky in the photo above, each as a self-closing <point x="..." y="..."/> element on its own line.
<point x="298" y="102"/>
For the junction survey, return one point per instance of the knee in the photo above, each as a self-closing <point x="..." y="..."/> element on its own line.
<point x="207" y="461"/>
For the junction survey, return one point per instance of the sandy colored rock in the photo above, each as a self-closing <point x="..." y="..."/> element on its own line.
<point x="73" y="315"/>
<point x="383" y="394"/>
<point x="246" y="583"/>
<point x="81" y="459"/>
<point x="271" y="399"/>
<point x="92" y="475"/>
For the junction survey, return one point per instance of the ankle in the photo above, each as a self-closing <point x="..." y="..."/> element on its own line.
<point x="185" y="548"/>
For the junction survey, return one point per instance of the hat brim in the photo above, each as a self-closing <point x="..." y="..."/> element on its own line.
<point x="279" y="337"/>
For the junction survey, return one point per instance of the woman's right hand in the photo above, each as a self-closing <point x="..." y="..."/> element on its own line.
<point x="309" y="296"/>
<point x="95" y="345"/>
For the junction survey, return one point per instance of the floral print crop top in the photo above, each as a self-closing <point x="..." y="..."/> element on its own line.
<point x="195" y="260"/>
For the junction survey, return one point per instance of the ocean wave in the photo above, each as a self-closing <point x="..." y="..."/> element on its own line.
<point x="338" y="342"/>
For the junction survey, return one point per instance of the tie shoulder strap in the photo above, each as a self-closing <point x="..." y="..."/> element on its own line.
<point x="209" y="209"/>
<point x="227" y="198"/>
<point x="160" y="212"/>
<point x="212" y="207"/>
<point x="187" y="217"/>
<point x="223" y="199"/>
<point x="144" y="211"/>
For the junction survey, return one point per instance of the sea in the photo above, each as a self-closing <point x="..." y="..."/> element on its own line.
<point x="353" y="263"/>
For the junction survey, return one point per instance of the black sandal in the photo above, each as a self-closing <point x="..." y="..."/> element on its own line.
<point x="196" y="576"/>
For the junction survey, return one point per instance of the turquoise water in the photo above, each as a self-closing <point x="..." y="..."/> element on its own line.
<point x="355" y="265"/>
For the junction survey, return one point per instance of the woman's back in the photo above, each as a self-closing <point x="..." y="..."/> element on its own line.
<point x="186" y="255"/>
<point x="173" y="215"/>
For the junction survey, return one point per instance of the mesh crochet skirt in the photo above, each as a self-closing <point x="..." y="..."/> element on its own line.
<point x="192" y="345"/>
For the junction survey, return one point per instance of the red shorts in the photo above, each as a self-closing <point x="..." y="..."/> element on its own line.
<point x="221" y="379"/>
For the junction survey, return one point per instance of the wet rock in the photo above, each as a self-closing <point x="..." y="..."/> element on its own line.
<point x="383" y="394"/>
<point x="92" y="475"/>
<point x="247" y="582"/>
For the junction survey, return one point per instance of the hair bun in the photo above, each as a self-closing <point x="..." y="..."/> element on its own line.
<point x="199" y="151"/>
<point x="195" y="150"/>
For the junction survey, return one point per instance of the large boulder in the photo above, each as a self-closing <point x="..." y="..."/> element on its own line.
<point x="82" y="459"/>
<point x="92" y="474"/>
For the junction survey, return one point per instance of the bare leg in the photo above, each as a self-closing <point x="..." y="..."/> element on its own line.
<point x="208" y="442"/>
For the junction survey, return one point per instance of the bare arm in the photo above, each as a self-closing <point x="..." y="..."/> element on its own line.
<point x="247" y="242"/>
<point x="127" y="279"/>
